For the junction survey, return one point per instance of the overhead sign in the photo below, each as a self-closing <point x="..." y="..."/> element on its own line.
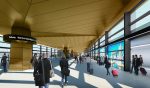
<point x="11" y="38"/>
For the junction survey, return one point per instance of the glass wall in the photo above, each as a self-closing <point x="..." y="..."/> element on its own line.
<point x="140" y="19"/>
<point x="142" y="9"/>
<point x="140" y="47"/>
<point x="4" y="48"/>
<point x="102" y="54"/>
<point x="116" y="32"/>
<point x="144" y="22"/>
<point x="102" y="41"/>
<point x="116" y="54"/>
<point x="51" y="52"/>
<point x="36" y="49"/>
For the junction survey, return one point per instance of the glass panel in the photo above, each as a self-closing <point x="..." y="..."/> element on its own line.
<point x="36" y="46"/>
<point x="103" y="43"/>
<point x="4" y="45"/>
<point x="119" y="26"/>
<point x="117" y="36"/>
<point x="116" y="54"/>
<point x="4" y="50"/>
<point x="116" y="46"/>
<point x="93" y="46"/>
<point x="102" y="39"/>
<point x="102" y="49"/>
<point x="96" y="43"/>
<point x="143" y="23"/>
<point x="145" y="7"/>
<point x="1" y="39"/>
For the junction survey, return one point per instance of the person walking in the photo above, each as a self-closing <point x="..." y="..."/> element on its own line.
<point x="43" y="68"/>
<point x="4" y="62"/>
<point x="34" y="60"/>
<point x="80" y="58"/>
<point x="141" y="60"/>
<point x="137" y="64"/>
<point x="133" y="63"/>
<point x="64" y="66"/>
<point x="107" y="65"/>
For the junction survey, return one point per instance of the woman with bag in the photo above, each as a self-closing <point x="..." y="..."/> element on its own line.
<point x="42" y="72"/>
<point x="64" y="69"/>
<point x="107" y="65"/>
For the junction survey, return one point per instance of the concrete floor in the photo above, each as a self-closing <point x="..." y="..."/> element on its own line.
<point x="79" y="78"/>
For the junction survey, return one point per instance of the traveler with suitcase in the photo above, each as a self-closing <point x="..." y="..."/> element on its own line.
<point x="107" y="65"/>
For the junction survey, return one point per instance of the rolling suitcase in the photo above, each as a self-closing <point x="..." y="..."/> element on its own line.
<point x="114" y="72"/>
<point x="143" y="71"/>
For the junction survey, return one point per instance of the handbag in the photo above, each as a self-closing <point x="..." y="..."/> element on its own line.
<point x="52" y="74"/>
<point x="66" y="71"/>
<point x="38" y="78"/>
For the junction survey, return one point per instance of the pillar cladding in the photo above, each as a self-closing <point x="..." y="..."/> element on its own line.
<point x="127" y="50"/>
<point x="20" y="52"/>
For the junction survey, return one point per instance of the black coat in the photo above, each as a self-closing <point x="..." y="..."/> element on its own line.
<point x="47" y="68"/>
<point x="63" y="64"/>
<point x="107" y="63"/>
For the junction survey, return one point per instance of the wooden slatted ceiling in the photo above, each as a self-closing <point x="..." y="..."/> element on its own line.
<point x="59" y="23"/>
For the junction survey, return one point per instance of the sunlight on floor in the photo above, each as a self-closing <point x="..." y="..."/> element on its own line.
<point x="73" y="65"/>
<point x="29" y="70"/>
<point x="16" y="85"/>
<point x="124" y="86"/>
<point x="74" y="73"/>
<point x="56" y="77"/>
<point x="17" y="76"/>
<point x="96" y="81"/>
<point x="57" y="68"/>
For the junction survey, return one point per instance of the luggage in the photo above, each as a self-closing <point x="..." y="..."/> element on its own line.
<point x="88" y="67"/>
<point x="66" y="71"/>
<point x="143" y="71"/>
<point x="39" y="80"/>
<point x="91" y="71"/>
<point x="114" y="72"/>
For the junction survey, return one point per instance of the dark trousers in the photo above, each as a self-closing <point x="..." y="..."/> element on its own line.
<point x="5" y="67"/>
<point x="136" y="70"/>
<point x="108" y="73"/>
<point x="133" y="67"/>
<point x="64" y="77"/>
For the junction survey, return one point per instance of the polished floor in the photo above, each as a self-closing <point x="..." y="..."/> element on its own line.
<point x="79" y="78"/>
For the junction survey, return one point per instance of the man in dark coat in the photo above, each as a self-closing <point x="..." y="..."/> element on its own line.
<point x="4" y="62"/>
<point x="133" y="63"/>
<point x="63" y="65"/>
<point x="43" y="68"/>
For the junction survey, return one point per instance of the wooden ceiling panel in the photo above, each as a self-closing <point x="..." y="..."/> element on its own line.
<point x="20" y="6"/>
<point x="58" y="23"/>
<point x="71" y="42"/>
<point x="49" y="6"/>
<point x="65" y="13"/>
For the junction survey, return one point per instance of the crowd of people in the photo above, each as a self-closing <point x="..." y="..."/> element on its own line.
<point x="42" y="67"/>
<point x="80" y="59"/>
<point x="136" y="63"/>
